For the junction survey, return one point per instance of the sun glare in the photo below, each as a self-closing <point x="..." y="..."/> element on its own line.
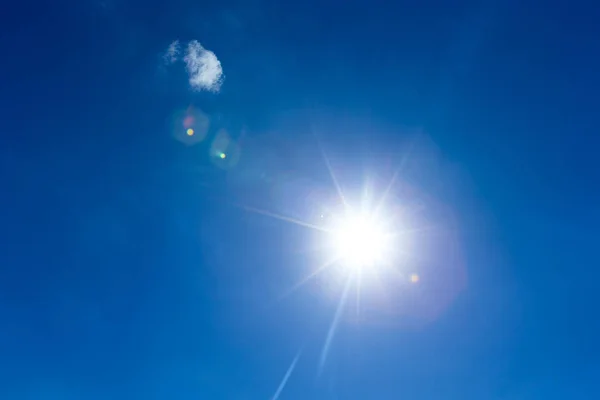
<point x="359" y="242"/>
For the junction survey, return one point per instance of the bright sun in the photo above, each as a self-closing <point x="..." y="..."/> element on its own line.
<point x="359" y="242"/>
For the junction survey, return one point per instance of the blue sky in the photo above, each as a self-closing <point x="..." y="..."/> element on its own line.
<point x="135" y="264"/>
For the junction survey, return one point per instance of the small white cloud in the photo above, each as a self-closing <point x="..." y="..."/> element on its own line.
<point x="203" y="67"/>
<point x="172" y="53"/>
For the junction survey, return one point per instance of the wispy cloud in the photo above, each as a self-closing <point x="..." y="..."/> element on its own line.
<point x="203" y="67"/>
<point x="172" y="53"/>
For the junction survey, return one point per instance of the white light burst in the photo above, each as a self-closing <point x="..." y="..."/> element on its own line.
<point x="362" y="245"/>
<point x="359" y="241"/>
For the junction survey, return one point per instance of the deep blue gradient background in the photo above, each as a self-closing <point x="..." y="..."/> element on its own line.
<point x="128" y="271"/>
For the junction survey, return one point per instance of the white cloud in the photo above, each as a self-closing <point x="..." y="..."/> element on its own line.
<point x="203" y="67"/>
<point x="172" y="53"/>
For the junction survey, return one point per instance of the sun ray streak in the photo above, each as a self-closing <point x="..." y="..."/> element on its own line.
<point x="287" y="375"/>
<point x="397" y="172"/>
<point x="307" y="278"/>
<point x="284" y="218"/>
<point x="334" y="324"/>
<point x="336" y="184"/>
<point x="387" y="191"/>
<point x="412" y="231"/>
<point x="334" y="179"/>
<point x="358" y="282"/>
